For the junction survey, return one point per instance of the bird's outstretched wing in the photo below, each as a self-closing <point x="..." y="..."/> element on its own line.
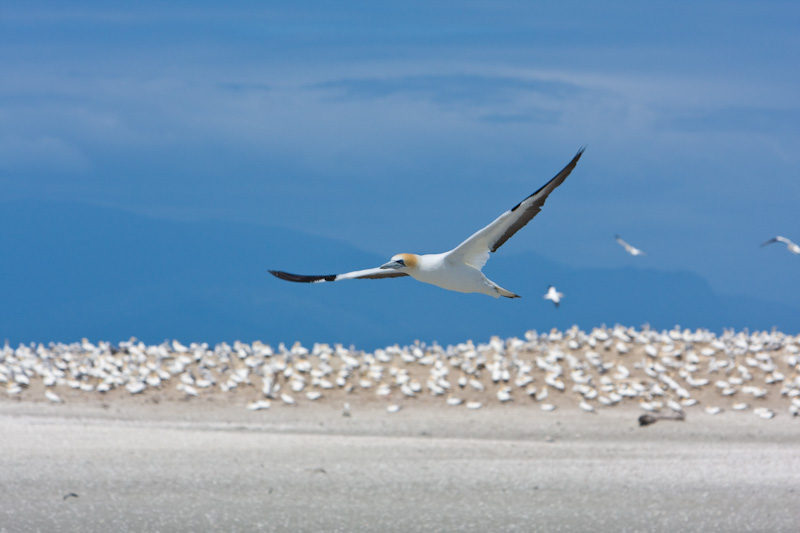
<point x="475" y="250"/>
<point x="622" y="243"/>
<point x="371" y="273"/>
<point x="628" y="247"/>
<point x="775" y="239"/>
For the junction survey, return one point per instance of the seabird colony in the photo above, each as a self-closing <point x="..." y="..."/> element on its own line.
<point x="666" y="371"/>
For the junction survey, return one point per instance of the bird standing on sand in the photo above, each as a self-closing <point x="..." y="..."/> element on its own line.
<point x="628" y="248"/>
<point x="553" y="295"/>
<point x="459" y="269"/>
<point x="792" y="247"/>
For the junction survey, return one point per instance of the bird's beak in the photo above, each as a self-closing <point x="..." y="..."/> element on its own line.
<point x="393" y="265"/>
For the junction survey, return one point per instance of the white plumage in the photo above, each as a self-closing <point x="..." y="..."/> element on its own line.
<point x="553" y="295"/>
<point x="52" y="396"/>
<point x="459" y="269"/>
<point x="628" y="248"/>
<point x="792" y="247"/>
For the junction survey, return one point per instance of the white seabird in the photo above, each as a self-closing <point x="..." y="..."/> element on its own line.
<point x="792" y="247"/>
<point x="554" y="295"/>
<point x="459" y="269"/>
<point x="628" y="248"/>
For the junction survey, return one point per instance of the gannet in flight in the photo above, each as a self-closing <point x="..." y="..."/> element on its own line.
<point x="792" y="247"/>
<point x="628" y="248"/>
<point x="459" y="269"/>
<point x="554" y="295"/>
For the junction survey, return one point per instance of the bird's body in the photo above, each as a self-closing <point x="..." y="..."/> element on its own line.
<point x="459" y="269"/>
<point x="792" y="247"/>
<point x="628" y="248"/>
<point x="448" y="272"/>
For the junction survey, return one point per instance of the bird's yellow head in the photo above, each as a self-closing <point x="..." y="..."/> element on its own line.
<point x="401" y="262"/>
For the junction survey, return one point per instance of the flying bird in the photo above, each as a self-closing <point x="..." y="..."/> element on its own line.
<point x="554" y="295"/>
<point x="459" y="269"/>
<point x="792" y="247"/>
<point x="628" y="248"/>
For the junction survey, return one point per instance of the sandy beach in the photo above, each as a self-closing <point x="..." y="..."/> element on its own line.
<point x="198" y="465"/>
<point x="533" y="434"/>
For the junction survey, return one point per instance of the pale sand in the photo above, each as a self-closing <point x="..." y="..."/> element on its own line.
<point x="209" y="465"/>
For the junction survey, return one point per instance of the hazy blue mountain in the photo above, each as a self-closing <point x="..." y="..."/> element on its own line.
<point x="69" y="271"/>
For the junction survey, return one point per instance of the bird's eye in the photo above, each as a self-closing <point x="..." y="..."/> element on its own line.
<point x="402" y="262"/>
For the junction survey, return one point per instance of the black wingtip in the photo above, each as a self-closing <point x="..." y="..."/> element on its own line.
<point x="298" y="278"/>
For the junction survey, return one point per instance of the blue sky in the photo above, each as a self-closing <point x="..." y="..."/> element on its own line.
<point x="408" y="126"/>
